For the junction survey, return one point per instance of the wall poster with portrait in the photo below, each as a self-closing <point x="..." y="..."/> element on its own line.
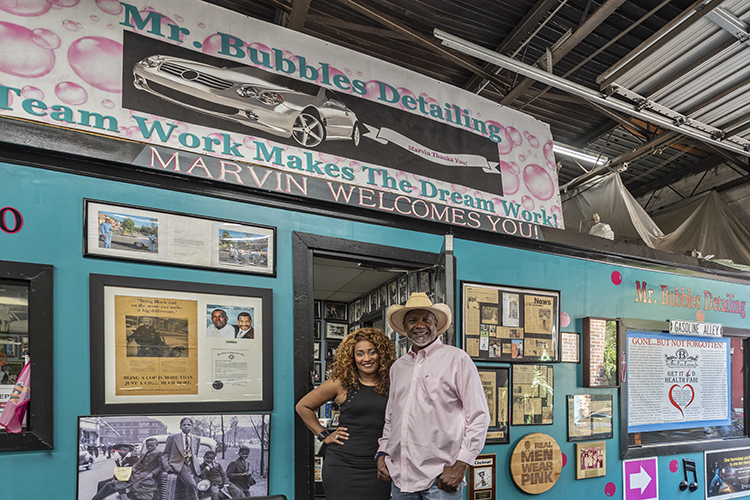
<point x="176" y="346"/>
<point x="510" y="325"/>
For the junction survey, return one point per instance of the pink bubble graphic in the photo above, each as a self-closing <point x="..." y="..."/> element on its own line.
<point x="67" y="3"/>
<point x="674" y="466"/>
<point x="179" y="18"/>
<point x="96" y="60"/>
<point x="514" y="136"/>
<point x="373" y="90"/>
<point x="522" y="158"/>
<point x="511" y="183"/>
<point x="106" y="103"/>
<point x="532" y="140"/>
<point x="616" y="277"/>
<point x="125" y="132"/>
<point x="202" y="26"/>
<point x="30" y="92"/>
<point x="610" y="489"/>
<point x="700" y="316"/>
<point x="26" y="8"/>
<point x="94" y="18"/>
<point x="564" y="320"/>
<point x="513" y="167"/>
<point x="538" y="182"/>
<point x="71" y="25"/>
<point x="527" y="202"/>
<point x="549" y="152"/>
<point x="556" y="211"/>
<point x="249" y="143"/>
<point x="46" y="39"/>
<point x="112" y="7"/>
<point x="564" y="459"/>
<point x="14" y="40"/>
<point x="71" y="93"/>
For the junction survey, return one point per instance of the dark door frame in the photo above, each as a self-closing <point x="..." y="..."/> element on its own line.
<point x="304" y="247"/>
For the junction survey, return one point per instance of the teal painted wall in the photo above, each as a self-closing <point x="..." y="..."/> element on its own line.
<point x="52" y="206"/>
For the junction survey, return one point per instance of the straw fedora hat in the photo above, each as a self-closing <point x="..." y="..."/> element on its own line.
<point x="419" y="300"/>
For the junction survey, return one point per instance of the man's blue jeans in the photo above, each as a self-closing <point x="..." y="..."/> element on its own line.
<point x="431" y="493"/>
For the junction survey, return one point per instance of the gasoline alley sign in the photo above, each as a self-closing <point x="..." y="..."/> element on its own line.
<point x="681" y="327"/>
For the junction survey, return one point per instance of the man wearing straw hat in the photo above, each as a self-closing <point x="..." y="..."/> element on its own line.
<point x="437" y="416"/>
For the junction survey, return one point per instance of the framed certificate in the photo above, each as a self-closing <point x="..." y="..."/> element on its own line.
<point x="164" y="346"/>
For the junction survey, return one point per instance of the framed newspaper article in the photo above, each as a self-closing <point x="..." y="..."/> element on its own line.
<point x="510" y="325"/>
<point x="167" y="346"/>
<point x="496" y="384"/>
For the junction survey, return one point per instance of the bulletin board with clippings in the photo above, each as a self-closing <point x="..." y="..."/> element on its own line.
<point x="510" y="324"/>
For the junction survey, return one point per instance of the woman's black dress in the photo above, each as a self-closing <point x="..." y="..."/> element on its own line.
<point x="350" y="470"/>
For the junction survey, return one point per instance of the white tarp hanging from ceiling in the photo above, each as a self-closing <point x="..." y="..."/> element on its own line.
<point x="608" y="197"/>
<point x="708" y="225"/>
<point x="704" y="223"/>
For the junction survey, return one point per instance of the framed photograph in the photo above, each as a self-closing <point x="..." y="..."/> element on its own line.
<point x="481" y="477"/>
<point x="413" y="280"/>
<point x="373" y="302"/>
<point x="722" y="478"/>
<point x="331" y="348"/>
<point x="533" y="392"/>
<point x="316" y="351"/>
<point x="138" y="441"/>
<point x="335" y="311"/>
<point x="393" y="293"/>
<point x="316" y="329"/>
<point x="318" y="465"/>
<point x="317" y="373"/>
<point x="496" y="383"/>
<point x="144" y="234"/>
<point x="358" y="310"/>
<point x="24" y="288"/>
<point x="425" y="281"/>
<point x="403" y="290"/>
<point x="591" y="459"/>
<point x="170" y="346"/>
<point x="336" y="330"/>
<point x="351" y="312"/>
<point x="383" y="297"/>
<point x="510" y="325"/>
<point x="589" y="417"/>
<point x="317" y="308"/>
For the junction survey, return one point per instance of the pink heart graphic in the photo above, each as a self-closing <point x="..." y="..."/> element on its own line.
<point x="682" y="397"/>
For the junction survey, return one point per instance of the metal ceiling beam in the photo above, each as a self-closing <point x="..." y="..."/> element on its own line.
<point x="422" y="40"/>
<point x="695" y="129"/>
<point x="697" y="167"/>
<point x="527" y="24"/>
<point x="355" y="27"/>
<point x="299" y="14"/>
<point x="676" y="26"/>
<point x="585" y="30"/>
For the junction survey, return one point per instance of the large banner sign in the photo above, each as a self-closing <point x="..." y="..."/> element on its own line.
<point x="213" y="94"/>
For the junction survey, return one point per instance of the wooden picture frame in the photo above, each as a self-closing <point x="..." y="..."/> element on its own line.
<point x="590" y="417"/>
<point x="482" y="477"/>
<point x="496" y="384"/>
<point x="600" y="344"/>
<point x="591" y="459"/>
<point x="147" y="337"/>
<point x="504" y="324"/>
<point x="34" y="286"/>
<point x="336" y="331"/>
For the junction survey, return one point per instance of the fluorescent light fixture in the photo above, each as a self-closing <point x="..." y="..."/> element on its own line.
<point x="580" y="155"/>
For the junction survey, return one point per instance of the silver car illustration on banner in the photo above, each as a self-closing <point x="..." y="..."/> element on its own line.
<point x="265" y="101"/>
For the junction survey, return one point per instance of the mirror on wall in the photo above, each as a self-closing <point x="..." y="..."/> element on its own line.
<point x="600" y="347"/>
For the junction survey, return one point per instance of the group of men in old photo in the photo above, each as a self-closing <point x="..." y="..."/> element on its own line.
<point x="154" y="474"/>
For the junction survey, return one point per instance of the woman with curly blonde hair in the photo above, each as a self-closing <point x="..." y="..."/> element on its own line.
<point x="359" y="383"/>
